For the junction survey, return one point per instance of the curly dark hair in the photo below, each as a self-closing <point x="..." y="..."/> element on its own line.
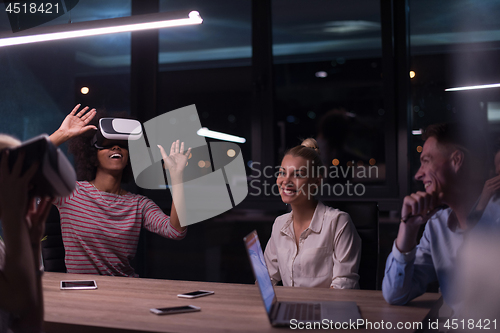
<point x="86" y="155"/>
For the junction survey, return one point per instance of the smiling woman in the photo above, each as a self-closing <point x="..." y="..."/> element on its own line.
<point x="87" y="154"/>
<point x="101" y="221"/>
<point x="314" y="245"/>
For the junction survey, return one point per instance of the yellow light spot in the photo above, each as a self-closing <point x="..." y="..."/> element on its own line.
<point x="412" y="74"/>
<point x="335" y="162"/>
<point x="360" y="163"/>
<point x="231" y="153"/>
<point x="201" y="164"/>
<point x="419" y="149"/>
<point x="207" y="164"/>
<point x="349" y="163"/>
<point x="372" y="161"/>
<point x="84" y="90"/>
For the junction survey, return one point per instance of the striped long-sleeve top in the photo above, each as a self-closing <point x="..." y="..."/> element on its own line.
<point x="101" y="230"/>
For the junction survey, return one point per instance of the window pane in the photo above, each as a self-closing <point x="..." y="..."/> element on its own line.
<point x="209" y="65"/>
<point x="223" y="39"/>
<point x="40" y="83"/>
<point x="328" y="81"/>
<point x="454" y="44"/>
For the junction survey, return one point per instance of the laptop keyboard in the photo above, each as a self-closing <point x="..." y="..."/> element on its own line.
<point x="303" y="311"/>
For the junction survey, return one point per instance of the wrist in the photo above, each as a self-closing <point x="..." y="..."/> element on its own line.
<point x="64" y="135"/>
<point x="483" y="202"/>
<point x="409" y="226"/>
<point x="407" y="237"/>
<point x="176" y="177"/>
<point x="405" y="247"/>
<point x="403" y="256"/>
<point x="59" y="137"/>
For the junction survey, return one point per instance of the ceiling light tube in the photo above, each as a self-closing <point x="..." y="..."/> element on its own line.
<point x="483" y="86"/>
<point x="101" y="27"/>
<point x="218" y="135"/>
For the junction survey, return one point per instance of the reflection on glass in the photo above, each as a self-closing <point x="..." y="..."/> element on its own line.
<point x="453" y="45"/>
<point x="328" y="83"/>
<point x="224" y="36"/>
<point x="42" y="81"/>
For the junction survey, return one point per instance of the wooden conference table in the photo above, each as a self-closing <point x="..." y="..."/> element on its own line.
<point x="122" y="305"/>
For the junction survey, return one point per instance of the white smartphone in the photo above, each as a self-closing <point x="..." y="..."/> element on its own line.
<point x="175" y="309"/>
<point x="80" y="284"/>
<point x="196" y="294"/>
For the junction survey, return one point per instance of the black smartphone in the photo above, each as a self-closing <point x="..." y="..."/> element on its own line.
<point x="196" y="294"/>
<point x="175" y="309"/>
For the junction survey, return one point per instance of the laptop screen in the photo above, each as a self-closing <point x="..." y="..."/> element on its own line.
<point x="260" y="271"/>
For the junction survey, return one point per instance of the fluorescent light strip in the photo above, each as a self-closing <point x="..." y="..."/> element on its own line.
<point x="194" y="18"/>
<point x="483" y="86"/>
<point x="218" y="135"/>
<point x="416" y="132"/>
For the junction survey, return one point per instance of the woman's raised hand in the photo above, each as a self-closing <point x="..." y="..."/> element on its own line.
<point x="177" y="160"/>
<point x="75" y="123"/>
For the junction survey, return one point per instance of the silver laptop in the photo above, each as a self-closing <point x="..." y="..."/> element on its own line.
<point x="286" y="313"/>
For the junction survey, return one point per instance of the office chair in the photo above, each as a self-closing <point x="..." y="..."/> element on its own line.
<point x="52" y="246"/>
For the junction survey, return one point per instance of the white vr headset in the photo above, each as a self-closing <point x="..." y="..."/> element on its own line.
<point x="55" y="176"/>
<point x="116" y="129"/>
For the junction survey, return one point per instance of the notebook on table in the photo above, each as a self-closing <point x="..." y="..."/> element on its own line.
<point x="286" y="313"/>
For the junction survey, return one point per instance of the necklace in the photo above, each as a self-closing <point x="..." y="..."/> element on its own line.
<point x="106" y="201"/>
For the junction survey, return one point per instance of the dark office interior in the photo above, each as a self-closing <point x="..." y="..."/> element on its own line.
<point x="364" y="76"/>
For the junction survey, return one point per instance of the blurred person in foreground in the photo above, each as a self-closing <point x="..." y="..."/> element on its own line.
<point x="478" y="275"/>
<point x="21" y="299"/>
<point x="487" y="208"/>
<point x="478" y="282"/>
<point x="452" y="172"/>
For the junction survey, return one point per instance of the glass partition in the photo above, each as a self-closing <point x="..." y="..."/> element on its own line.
<point x="209" y="65"/>
<point x="454" y="44"/>
<point x="329" y="86"/>
<point x="42" y="82"/>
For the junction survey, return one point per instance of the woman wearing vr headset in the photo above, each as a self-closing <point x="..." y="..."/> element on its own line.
<point x="21" y="299"/>
<point x="100" y="220"/>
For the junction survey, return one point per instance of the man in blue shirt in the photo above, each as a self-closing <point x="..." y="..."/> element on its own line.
<point x="452" y="169"/>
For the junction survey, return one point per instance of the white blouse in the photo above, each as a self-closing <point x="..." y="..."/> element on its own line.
<point x="328" y="254"/>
